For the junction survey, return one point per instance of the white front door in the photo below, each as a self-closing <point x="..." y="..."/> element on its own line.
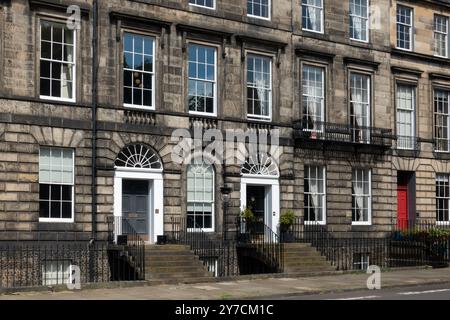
<point x="270" y="195"/>
<point x="151" y="226"/>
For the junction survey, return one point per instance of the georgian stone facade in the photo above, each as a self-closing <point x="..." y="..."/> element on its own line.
<point x="28" y="122"/>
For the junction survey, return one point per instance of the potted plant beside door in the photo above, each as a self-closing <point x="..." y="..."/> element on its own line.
<point x="287" y="219"/>
<point x="248" y="218"/>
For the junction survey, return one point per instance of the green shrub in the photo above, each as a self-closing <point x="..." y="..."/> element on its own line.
<point x="248" y="215"/>
<point x="287" y="218"/>
<point x="434" y="233"/>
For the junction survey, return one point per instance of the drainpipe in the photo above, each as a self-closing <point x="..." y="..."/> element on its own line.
<point x="94" y="117"/>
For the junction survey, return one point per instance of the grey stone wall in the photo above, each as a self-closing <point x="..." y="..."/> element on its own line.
<point x="27" y="122"/>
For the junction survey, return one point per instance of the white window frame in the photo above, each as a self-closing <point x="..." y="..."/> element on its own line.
<point x="361" y="262"/>
<point x="264" y="57"/>
<point x="412" y="111"/>
<point x="365" y="136"/>
<point x="62" y="62"/>
<point x="323" y="221"/>
<point x="203" y="6"/>
<point x="322" y="17"/>
<point x="60" y="220"/>
<point x="445" y="178"/>
<point x="153" y="73"/>
<point x="438" y="32"/>
<point x="447" y="115"/>
<point x="366" y="19"/>
<point x="307" y="96"/>
<point x="212" y="202"/>
<point x="369" y="196"/>
<point x="215" y="82"/>
<point x="63" y="268"/>
<point x="269" y="13"/>
<point x="410" y="26"/>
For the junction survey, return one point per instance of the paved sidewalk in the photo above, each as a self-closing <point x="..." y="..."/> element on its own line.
<point x="247" y="289"/>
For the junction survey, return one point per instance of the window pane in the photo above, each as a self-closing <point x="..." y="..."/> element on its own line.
<point x="442" y="197"/>
<point x="67" y="210"/>
<point x="313" y="97"/>
<point x="57" y="45"/>
<point x="44" y="209"/>
<point x="259" y="86"/>
<point x="66" y="193"/>
<point x="314" y="189"/>
<point x="44" y="192"/>
<point x="259" y="8"/>
<point x="55" y="210"/>
<point x="201" y="70"/>
<point x="361" y="195"/>
<point x="312" y="15"/>
<point x="404" y="27"/>
<point x="138" y="78"/>
<point x="200" y="195"/>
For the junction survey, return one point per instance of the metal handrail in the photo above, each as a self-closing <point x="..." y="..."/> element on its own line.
<point x="135" y="244"/>
<point x="207" y="249"/>
<point x="266" y="242"/>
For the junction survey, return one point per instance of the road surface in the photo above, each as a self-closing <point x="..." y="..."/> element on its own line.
<point x="427" y="292"/>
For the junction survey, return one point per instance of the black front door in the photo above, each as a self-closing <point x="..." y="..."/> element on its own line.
<point x="135" y="205"/>
<point x="256" y="201"/>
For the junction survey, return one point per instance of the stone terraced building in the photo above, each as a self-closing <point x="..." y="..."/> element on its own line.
<point x="358" y="89"/>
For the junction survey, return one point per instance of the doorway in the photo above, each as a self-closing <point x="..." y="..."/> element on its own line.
<point x="257" y="202"/>
<point x="263" y="197"/>
<point x="406" y="199"/>
<point x="136" y="204"/>
<point x="138" y="198"/>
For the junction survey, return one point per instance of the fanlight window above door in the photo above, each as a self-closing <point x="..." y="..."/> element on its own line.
<point x="139" y="156"/>
<point x="261" y="165"/>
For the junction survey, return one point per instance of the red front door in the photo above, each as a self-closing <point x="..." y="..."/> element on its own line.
<point x="402" y="211"/>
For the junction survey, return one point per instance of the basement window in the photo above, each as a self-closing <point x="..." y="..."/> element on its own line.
<point x="55" y="272"/>
<point x="212" y="265"/>
<point x="361" y="261"/>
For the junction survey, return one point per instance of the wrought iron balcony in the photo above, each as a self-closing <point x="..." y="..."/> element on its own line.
<point x="321" y="133"/>
<point x="405" y="143"/>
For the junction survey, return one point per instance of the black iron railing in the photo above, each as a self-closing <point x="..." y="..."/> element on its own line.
<point x="418" y="225"/>
<point x="407" y="143"/>
<point x="343" y="133"/>
<point x="266" y="243"/>
<point x="124" y="235"/>
<point x="219" y="256"/>
<point x="414" y="244"/>
<point x="34" y="264"/>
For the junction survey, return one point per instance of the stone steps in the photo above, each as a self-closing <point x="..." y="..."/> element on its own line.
<point x="304" y="260"/>
<point x="174" y="264"/>
<point x="176" y="275"/>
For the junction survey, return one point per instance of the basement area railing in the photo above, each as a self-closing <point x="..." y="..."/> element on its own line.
<point x="35" y="264"/>
<point x="219" y="256"/>
<point x="264" y="241"/>
<point x="427" y="244"/>
<point x="125" y="236"/>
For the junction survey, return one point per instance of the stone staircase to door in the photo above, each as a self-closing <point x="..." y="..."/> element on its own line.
<point x="170" y="264"/>
<point x="304" y="260"/>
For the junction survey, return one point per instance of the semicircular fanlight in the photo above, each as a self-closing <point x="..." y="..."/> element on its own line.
<point x="139" y="156"/>
<point x="260" y="165"/>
